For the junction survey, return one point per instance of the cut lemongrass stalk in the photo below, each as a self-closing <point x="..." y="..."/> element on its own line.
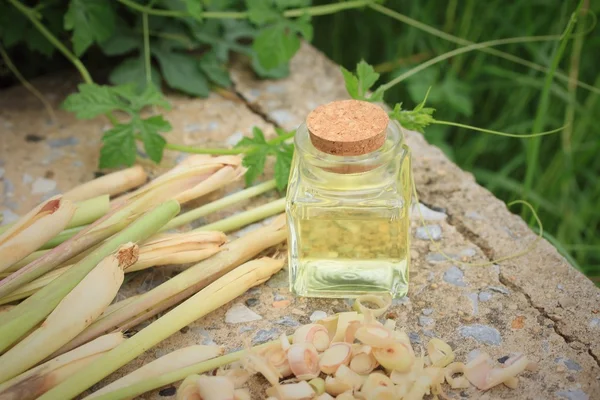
<point x="292" y="391"/>
<point x="439" y="352"/>
<point x="110" y="184"/>
<point x="343" y="319"/>
<point x="173" y="361"/>
<point x="335" y="386"/>
<point x="278" y="358"/>
<point x="382" y="302"/>
<point x="347" y="375"/>
<point x="304" y="360"/>
<point x="33" y="286"/>
<point x="238" y="376"/>
<point x="34" y="229"/>
<point x="218" y="293"/>
<point x="318" y="385"/>
<point x="374" y="335"/>
<point x="214" y="388"/>
<point x="73" y="314"/>
<point x="30" y="258"/>
<point x="36" y="381"/>
<point x="337" y="354"/>
<point x="373" y="381"/>
<point x="89" y="210"/>
<point x="198" y="276"/>
<point x="456" y="382"/>
<point x="188" y="390"/>
<point x="394" y="356"/>
<point x="117" y="305"/>
<point x="62" y="237"/>
<point x="242" y="394"/>
<point x="20" y="319"/>
<point x="363" y="361"/>
<point x="219" y="204"/>
<point x="236" y="221"/>
<point x="314" y="334"/>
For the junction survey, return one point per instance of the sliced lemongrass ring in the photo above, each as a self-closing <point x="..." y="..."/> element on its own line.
<point x="382" y="304"/>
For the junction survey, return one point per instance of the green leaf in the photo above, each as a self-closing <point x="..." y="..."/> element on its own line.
<point x="151" y="96"/>
<point x="302" y="26"/>
<point x="132" y="71"/>
<point x="258" y="135"/>
<point x="122" y="41"/>
<point x="215" y="70"/>
<point x="261" y="12"/>
<point x="194" y="7"/>
<point x="279" y="72"/>
<point x="182" y="72"/>
<point x="150" y="129"/>
<point x="351" y="82"/>
<point x="93" y="100"/>
<point x="283" y="162"/>
<point x="13" y="25"/>
<point x="416" y="120"/>
<point x="275" y="45"/>
<point x="91" y="21"/>
<point x="255" y="163"/>
<point x="366" y="77"/>
<point x="119" y="147"/>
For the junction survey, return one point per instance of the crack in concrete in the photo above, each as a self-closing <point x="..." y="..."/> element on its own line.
<point x="254" y="108"/>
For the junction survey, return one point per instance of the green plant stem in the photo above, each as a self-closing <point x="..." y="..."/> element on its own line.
<point x="13" y="68"/>
<point x="455" y="39"/>
<point x="544" y="102"/>
<point x="313" y="11"/>
<point x="513" y="135"/>
<point x="234" y="151"/>
<point x="245" y="218"/>
<point x="466" y="49"/>
<point x="147" y="66"/>
<point x="180" y="374"/>
<point x="21" y="319"/>
<point x="217" y="205"/>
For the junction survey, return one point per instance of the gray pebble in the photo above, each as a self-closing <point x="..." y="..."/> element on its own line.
<point x="8" y="217"/>
<point x="474" y="301"/>
<point x="427" y="311"/>
<point x="435" y="231"/>
<point x="570" y="364"/>
<point x="288" y="321"/>
<point x="573" y="394"/>
<point x="414" y="338"/>
<point x="9" y="187"/>
<point x="264" y="335"/>
<point x="454" y="276"/>
<point x="594" y="323"/>
<point x="245" y="329"/>
<point x="426" y="321"/>
<point x="251" y="302"/>
<point x="485" y="296"/>
<point x="429" y="333"/>
<point x="43" y="185"/>
<point x="279" y="280"/>
<point x="560" y="287"/>
<point x="427" y="213"/>
<point x="282" y="117"/>
<point x="473" y="354"/>
<point x="469" y="252"/>
<point x="481" y="333"/>
<point x="206" y="338"/>
<point x="499" y="289"/>
<point x="1" y="172"/>
<point x="278" y="297"/>
<point x="436" y="258"/>
<point x="253" y="291"/>
<point x="63" y="142"/>
<point x="317" y="315"/>
<point x="401" y="301"/>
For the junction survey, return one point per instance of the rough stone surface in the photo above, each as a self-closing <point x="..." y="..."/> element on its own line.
<point x="536" y="303"/>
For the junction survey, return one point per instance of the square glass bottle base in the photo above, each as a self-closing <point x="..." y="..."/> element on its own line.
<point x="339" y="278"/>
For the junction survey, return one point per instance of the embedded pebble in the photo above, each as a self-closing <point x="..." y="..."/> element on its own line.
<point x="437" y="257"/>
<point x="570" y="364"/>
<point x="245" y="329"/>
<point x="234" y="139"/>
<point x="9" y="187"/>
<point x="560" y="287"/>
<point x="435" y="231"/>
<point x="43" y="185"/>
<point x="9" y="217"/>
<point x="414" y="337"/>
<point x="240" y="313"/>
<point x="481" y="333"/>
<point x="206" y="338"/>
<point x="401" y="301"/>
<point x="475" y="302"/>
<point x="485" y="296"/>
<point x="264" y="335"/>
<point x="189" y="128"/>
<point x="454" y="276"/>
<point x="573" y="394"/>
<point x="594" y="323"/>
<point x="473" y="215"/>
<point x="317" y="315"/>
<point x="253" y="291"/>
<point x="63" y="142"/>
<point x="252" y="302"/>
<point x="427" y="311"/>
<point x="278" y="297"/>
<point x="1" y="172"/>
<point x="287" y="321"/>
<point x="425" y="321"/>
<point x="473" y="354"/>
<point x="279" y="280"/>
<point x="499" y="289"/>
<point x="469" y="252"/>
<point x="167" y="392"/>
<point x="27" y="179"/>
<point x="429" y="333"/>
<point x="282" y="117"/>
<point x="427" y="213"/>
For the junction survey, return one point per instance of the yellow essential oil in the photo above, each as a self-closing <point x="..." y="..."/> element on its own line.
<point x="348" y="204"/>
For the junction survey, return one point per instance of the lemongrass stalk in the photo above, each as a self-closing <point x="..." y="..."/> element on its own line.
<point x="33" y="286"/>
<point x="115" y="306"/>
<point x="35" y="228"/>
<point x="76" y="311"/>
<point x="136" y="389"/>
<point x="217" y="205"/>
<point x="198" y="276"/>
<point x="217" y="294"/>
<point x="173" y="361"/>
<point x="20" y="319"/>
<point x="242" y="219"/>
<point x="89" y="210"/>
<point x="110" y="184"/>
<point x="62" y="237"/>
<point x="36" y="381"/>
<point x="86" y="212"/>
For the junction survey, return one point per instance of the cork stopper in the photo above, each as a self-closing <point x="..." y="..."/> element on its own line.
<point x="347" y="127"/>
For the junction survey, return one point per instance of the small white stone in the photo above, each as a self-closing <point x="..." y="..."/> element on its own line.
<point x="317" y="315"/>
<point x="27" y="179"/>
<point x="427" y="213"/>
<point x="239" y="313"/>
<point x="234" y="139"/>
<point x="1" y="172"/>
<point x="43" y="185"/>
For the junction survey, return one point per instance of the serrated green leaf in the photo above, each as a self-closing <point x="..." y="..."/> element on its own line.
<point x="377" y="95"/>
<point x="119" y="147"/>
<point x="122" y="41"/>
<point x="37" y="42"/>
<point x="351" y="82"/>
<point x="151" y="96"/>
<point x="275" y="45"/>
<point x="150" y="129"/>
<point x="366" y="77"/>
<point x="279" y="72"/>
<point x="93" y="100"/>
<point x="283" y="162"/>
<point x="255" y="163"/>
<point x="258" y="135"/>
<point x="132" y="71"/>
<point x="261" y="12"/>
<point x="215" y="70"/>
<point x="91" y="21"/>
<point x="302" y="26"/>
<point x="182" y="72"/>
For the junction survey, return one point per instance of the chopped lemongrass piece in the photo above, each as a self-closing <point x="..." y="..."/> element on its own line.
<point x="292" y="391"/>
<point x="22" y="318"/>
<point x="395" y="356"/>
<point x="383" y="303"/>
<point x="188" y="390"/>
<point x="36" y="381"/>
<point x="439" y="352"/>
<point x="337" y="354"/>
<point x="237" y="221"/>
<point x="324" y="396"/>
<point x="347" y="375"/>
<point x="218" y="293"/>
<point x="277" y="357"/>
<point x="175" y="360"/>
<point x="110" y="184"/>
<point x="313" y="333"/>
<point x="242" y="394"/>
<point x="363" y="361"/>
<point x="34" y="229"/>
<point x="239" y="376"/>
<point x="460" y="382"/>
<point x="192" y="279"/>
<point x="335" y="386"/>
<point x="346" y="396"/>
<point x="303" y="359"/>
<point x="341" y="324"/>
<point x="72" y="315"/>
<point x="318" y="385"/>
<point x="374" y="381"/>
<point x="374" y="335"/>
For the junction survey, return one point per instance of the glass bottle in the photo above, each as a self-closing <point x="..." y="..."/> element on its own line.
<point x="348" y="203"/>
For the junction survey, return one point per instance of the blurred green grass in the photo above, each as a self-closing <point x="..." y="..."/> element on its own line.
<point x="487" y="91"/>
